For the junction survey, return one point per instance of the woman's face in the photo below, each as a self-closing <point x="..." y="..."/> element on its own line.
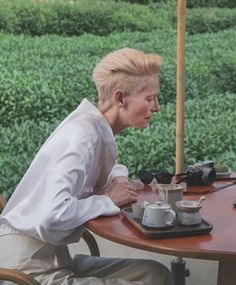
<point x="139" y="108"/>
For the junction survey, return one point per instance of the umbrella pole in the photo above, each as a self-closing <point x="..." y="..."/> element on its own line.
<point x="180" y="86"/>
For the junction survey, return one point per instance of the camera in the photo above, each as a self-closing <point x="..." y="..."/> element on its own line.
<point x="202" y="173"/>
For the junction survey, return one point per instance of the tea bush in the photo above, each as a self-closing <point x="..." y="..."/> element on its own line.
<point x="211" y="3"/>
<point x="19" y="144"/>
<point x="43" y="78"/>
<point x="200" y="20"/>
<point x="209" y="20"/>
<point x="65" y="18"/>
<point x="191" y="3"/>
<point x="209" y="134"/>
<point x="106" y="17"/>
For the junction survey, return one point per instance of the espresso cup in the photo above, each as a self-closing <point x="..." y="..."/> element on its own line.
<point x="170" y="193"/>
<point x="138" y="209"/>
<point x="158" y="215"/>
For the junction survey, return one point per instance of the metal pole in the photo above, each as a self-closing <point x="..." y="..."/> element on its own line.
<point x="180" y="87"/>
<point x="178" y="271"/>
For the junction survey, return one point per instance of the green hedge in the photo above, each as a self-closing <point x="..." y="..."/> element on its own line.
<point x="146" y="2"/>
<point x="63" y="18"/>
<point x="19" y="144"/>
<point x="209" y="125"/>
<point x="200" y="20"/>
<point x="104" y="17"/>
<point x="191" y="3"/>
<point x="211" y="3"/>
<point x="209" y="134"/>
<point x="203" y="20"/>
<point x="43" y="78"/>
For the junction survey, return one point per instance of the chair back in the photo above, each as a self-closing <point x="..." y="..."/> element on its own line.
<point x="21" y="278"/>
<point x="3" y="202"/>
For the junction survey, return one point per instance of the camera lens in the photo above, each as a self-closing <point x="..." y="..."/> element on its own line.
<point x="208" y="175"/>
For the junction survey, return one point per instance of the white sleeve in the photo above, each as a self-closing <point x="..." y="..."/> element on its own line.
<point x="117" y="170"/>
<point x="63" y="182"/>
<point x="62" y="213"/>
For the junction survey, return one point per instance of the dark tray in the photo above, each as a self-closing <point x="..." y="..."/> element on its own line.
<point x="176" y="230"/>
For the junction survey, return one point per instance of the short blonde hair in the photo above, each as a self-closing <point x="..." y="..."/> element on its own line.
<point x="124" y="69"/>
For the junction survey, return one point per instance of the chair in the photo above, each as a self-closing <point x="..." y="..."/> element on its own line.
<point x="21" y="278"/>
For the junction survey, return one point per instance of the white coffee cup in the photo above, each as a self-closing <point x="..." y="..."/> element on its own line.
<point x="170" y="193"/>
<point x="158" y="215"/>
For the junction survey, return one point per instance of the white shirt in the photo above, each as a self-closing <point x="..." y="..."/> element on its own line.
<point x="57" y="194"/>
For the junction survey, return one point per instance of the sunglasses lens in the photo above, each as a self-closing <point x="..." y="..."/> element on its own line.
<point x="164" y="177"/>
<point x="145" y="176"/>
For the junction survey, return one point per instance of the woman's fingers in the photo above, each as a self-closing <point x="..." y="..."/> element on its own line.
<point x="122" y="193"/>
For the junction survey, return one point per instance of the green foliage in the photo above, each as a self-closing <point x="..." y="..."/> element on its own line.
<point x="142" y="1"/>
<point x="104" y="17"/>
<point x="19" y="144"/>
<point x="65" y="18"/>
<point x="211" y="3"/>
<point x="44" y="78"/>
<point x="209" y="129"/>
<point x="198" y="20"/>
<point x="207" y="136"/>
<point x="23" y="17"/>
<point x="211" y="63"/>
<point x="209" y="20"/>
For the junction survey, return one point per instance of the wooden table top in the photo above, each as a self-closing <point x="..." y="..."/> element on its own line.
<point x="219" y="244"/>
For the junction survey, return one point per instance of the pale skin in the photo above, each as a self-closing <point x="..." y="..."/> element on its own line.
<point x="135" y="110"/>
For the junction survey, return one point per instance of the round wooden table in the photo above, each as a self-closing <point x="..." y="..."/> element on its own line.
<point x="219" y="244"/>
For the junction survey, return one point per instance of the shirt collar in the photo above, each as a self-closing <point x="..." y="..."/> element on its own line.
<point x="90" y="109"/>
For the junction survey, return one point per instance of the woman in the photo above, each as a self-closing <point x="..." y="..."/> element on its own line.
<point x="75" y="178"/>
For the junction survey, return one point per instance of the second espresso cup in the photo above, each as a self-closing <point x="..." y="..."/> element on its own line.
<point x="158" y="215"/>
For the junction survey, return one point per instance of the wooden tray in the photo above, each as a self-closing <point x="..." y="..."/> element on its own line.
<point x="170" y="232"/>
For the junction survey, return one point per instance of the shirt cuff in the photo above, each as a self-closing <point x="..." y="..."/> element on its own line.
<point x="117" y="170"/>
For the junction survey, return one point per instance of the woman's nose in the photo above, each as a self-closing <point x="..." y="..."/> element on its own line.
<point x="156" y="106"/>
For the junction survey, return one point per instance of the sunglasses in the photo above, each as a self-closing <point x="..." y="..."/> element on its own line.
<point x="163" y="177"/>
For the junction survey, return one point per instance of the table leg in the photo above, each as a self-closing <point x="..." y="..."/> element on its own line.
<point x="226" y="273"/>
<point x="178" y="270"/>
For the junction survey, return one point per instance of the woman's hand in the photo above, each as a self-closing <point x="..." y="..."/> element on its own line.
<point x="121" y="191"/>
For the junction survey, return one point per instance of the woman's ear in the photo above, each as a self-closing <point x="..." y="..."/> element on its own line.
<point x="119" y="97"/>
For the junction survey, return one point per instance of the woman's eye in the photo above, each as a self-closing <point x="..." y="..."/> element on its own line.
<point x="151" y="99"/>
